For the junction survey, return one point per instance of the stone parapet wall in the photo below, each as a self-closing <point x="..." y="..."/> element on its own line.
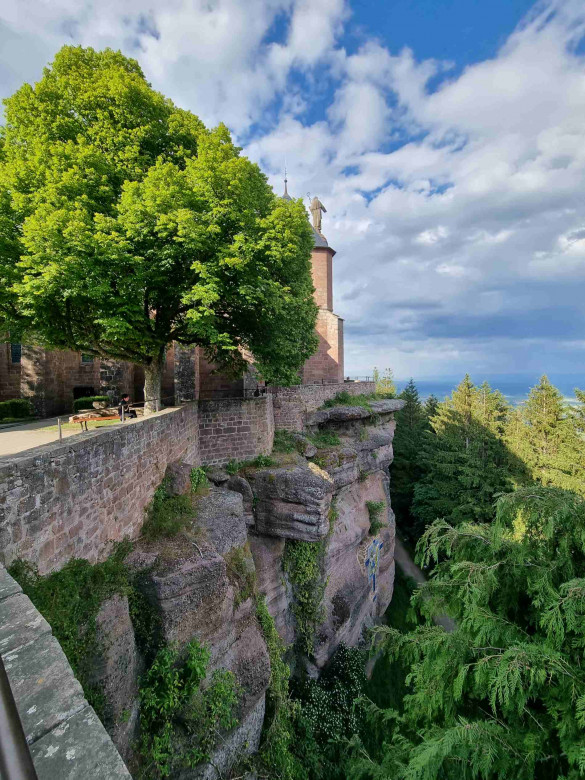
<point x="292" y="404"/>
<point x="71" y="500"/>
<point x="235" y="429"/>
<point x="65" y="736"/>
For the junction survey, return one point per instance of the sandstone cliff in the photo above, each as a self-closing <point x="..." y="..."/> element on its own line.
<point x="326" y="496"/>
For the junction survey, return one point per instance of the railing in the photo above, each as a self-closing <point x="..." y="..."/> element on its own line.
<point x="15" y="759"/>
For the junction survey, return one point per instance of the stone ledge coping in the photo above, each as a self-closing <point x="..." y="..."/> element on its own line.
<point x="348" y="413"/>
<point x="66" y="737"/>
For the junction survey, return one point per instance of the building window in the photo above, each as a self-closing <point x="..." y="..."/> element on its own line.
<point x="16" y="353"/>
<point x="86" y="358"/>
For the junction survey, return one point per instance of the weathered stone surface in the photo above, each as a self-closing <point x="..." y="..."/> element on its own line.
<point x="267" y="552"/>
<point x="78" y="748"/>
<point x="348" y="414"/>
<point x="178" y="475"/>
<point x="217" y="475"/>
<point x="115" y="670"/>
<point x="220" y="514"/>
<point x="292" y="503"/>
<point x="242" y="486"/>
<point x="20" y="623"/>
<point x="8" y="585"/>
<point x="305" y="445"/>
<point x="350" y="601"/>
<point x="43" y="685"/>
<point x="342" y="464"/>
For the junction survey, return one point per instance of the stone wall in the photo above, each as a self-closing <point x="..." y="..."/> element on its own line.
<point x="9" y="374"/>
<point x="293" y="404"/>
<point x="69" y="500"/>
<point x="65" y="736"/>
<point x="235" y="429"/>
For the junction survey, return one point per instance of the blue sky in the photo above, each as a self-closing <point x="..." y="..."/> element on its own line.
<point x="446" y="139"/>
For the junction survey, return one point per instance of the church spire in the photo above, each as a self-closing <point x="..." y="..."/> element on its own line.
<point x="286" y="196"/>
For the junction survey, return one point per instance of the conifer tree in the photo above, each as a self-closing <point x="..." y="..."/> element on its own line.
<point x="579" y="411"/>
<point x="384" y="382"/>
<point x="431" y="405"/>
<point x="501" y="697"/>
<point x="411" y="423"/>
<point x="544" y="436"/>
<point x="465" y="460"/>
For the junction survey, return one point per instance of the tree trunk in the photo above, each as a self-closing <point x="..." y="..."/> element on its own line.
<point x="152" y="385"/>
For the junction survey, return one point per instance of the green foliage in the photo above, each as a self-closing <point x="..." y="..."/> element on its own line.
<point x="412" y="425"/>
<point x="17" y="408"/>
<point x="259" y="462"/>
<point x="344" y="398"/>
<point x="88" y="401"/>
<point x="375" y="509"/>
<point x="179" y="721"/>
<point x="500" y="696"/>
<point x="241" y="568"/>
<point x="302" y="562"/>
<point x="70" y="599"/>
<point x="284" y="441"/>
<point x="579" y="411"/>
<point x="385" y="386"/>
<point x="465" y="459"/>
<point x="543" y="434"/>
<point x="167" y="515"/>
<point x="126" y="224"/>
<point x="324" y="439"/>
<point x="198" y="479"/>
<point x="276" y="750"/>
<point x="329" y="714"/>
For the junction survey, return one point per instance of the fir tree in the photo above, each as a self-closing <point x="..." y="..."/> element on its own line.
<point x="579" y="411"/>
<point x="465" y="460"/>
<point x="411" y="423"/>
<point x="544" y="436"/>
<point x="503" y="695"/>
<point x="431" y="406"/>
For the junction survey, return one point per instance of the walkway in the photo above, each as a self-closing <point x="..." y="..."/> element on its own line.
<point x="18" y="437"/>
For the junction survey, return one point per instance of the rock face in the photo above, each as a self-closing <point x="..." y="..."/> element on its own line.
<point x="198" y="583"/>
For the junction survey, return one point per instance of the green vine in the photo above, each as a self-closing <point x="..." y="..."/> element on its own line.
<point x="281" y="711"/>
<point x="303" y="563"/>
<point x="374" y="511"/>
<point x="180" y="721"/>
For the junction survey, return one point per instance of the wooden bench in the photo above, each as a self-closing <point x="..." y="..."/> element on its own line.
<point x="84" y="418"/>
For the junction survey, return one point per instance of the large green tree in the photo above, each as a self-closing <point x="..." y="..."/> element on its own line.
<point x="464" y="457"/>
<point x="543" y="433"/>
<point x="407" y="470"/>
<point x="503" y="695"/>
<point x="126" y="225"/>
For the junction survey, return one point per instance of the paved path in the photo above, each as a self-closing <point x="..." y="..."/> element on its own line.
<point x="24" y="436"/>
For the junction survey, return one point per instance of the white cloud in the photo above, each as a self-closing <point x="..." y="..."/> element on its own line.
<point x="457" y="212"/>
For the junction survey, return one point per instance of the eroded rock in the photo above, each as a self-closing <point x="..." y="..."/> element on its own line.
<point x="292" y="502"/>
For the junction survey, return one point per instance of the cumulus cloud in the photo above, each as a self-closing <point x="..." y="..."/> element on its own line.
<point x="454" y="198"/>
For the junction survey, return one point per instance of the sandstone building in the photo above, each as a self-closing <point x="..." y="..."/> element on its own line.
<point x="53" y="379"/>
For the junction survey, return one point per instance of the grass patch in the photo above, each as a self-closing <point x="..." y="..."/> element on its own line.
<point x="9" y="420"/>
<point x="345" y="399"/>
<point x="324" y="439"/>
<point x="259" y="462"/>
<point x="241" y="568"/>
<point x="375" y="509"/>
<point x="167" y="515"/>
<point x="284" y="442"/>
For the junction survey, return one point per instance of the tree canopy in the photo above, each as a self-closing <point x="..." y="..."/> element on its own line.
<point x="503" y="695"/>
<point x="125" y="225"/>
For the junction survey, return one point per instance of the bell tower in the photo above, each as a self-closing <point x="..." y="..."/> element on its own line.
<point x="326" y="365"/>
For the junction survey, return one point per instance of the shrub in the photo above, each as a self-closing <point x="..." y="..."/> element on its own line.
<point x="18" y="408"/>
<point x="174" y="710"/>
<point x="198" y="479"/>
<point x="284" y="441"/>
<point x="167" y="515"/>
<point x="374" y="511"/>
<point x="323" y="439"/>
<point x="88" y="401"/>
